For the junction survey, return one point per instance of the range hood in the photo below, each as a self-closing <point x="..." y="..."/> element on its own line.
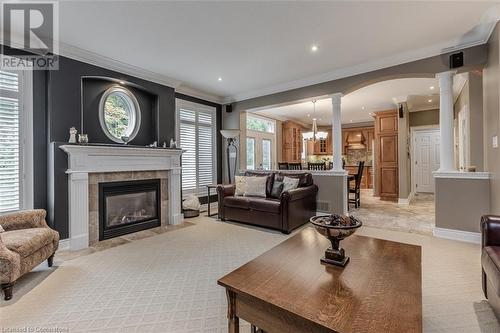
<point x="355" y="140"/>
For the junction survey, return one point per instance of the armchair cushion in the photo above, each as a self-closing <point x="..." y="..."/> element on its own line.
<point x="28" y="241"/>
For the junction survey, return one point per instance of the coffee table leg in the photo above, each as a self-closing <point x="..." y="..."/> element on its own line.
<point x="233" y="320"/>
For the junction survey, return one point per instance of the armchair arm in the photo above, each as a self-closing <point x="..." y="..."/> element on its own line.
<point x="10" y="264"/>
<point x="490" y="230"/>
<point x="299" y="193"/>
<point x="34" y="218"/>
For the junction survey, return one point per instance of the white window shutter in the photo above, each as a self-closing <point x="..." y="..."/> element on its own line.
<point x="196" y="135"/>
<point x="10" y="180"/>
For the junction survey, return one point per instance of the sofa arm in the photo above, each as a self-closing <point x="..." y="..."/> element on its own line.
<point x="10" y="264"/>
<point x="26" y="219"/>
<point x="299" y="193"/>
<point x="490" y="230"/>
<point x="222" y="192"/>
<point x="226" y="190"/>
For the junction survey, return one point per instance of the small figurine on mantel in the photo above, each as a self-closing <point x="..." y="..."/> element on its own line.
<point x="72" y="135"/>
<point x="164" y="144"/>
<point x="173" y="143"/>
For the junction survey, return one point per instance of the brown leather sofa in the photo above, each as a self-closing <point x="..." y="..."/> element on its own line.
<point x="290" y="211"/>
<point x="490" y="260"/>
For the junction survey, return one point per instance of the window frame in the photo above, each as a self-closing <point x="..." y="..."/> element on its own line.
<point x="135" y="114"/>
<point x="26" y="171"/>
<point x="258" y="117"/>
<point x="197" y="107"/>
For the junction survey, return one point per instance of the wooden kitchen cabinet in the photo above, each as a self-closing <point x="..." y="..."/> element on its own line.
<point x="386" y="155"/>
<point x="292" y="142"/>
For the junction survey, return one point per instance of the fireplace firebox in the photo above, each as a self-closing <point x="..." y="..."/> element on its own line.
<point x="128" y="206"/>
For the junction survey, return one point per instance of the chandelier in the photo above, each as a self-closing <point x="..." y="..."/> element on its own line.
<point x="314" y="135"/>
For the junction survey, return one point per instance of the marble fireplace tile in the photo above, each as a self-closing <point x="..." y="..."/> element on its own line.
<point x="93" y="197"/>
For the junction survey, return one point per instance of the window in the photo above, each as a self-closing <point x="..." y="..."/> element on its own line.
<point x="251" y="153"/>
<point x="196" y="134"/>
<point x="266" y="154"/>
<point x="119" y="114"/>
<point x="16" y="128"/>
<point x="261" y="142"/>
<point x="255" y="123"/>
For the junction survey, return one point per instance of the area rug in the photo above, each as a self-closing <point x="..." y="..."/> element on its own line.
<point x="167" y="283"/>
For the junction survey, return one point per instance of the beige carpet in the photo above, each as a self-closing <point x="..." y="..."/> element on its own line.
<point x="167" y="283"/>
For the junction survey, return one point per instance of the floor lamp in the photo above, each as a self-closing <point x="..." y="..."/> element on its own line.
<point x="231" y="151"/>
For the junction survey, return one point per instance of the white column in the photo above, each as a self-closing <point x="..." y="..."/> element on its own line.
<point x="446" y="149"/>
<point x="336" y="132"/>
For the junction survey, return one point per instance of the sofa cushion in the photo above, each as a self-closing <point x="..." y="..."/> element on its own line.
<point x="256" y="187"/>
<point x="265" y="205"/>
<point x="237" y="202"/>
<point x="28" y="241"/>
<point x="305" y="178"/>
<point x="269" y="182"/>
<point x="490" y="260"/>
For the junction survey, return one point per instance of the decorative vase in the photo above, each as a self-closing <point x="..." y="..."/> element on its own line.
<point x="336" y="228"/>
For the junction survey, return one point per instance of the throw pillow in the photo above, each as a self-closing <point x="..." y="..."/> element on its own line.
<point x="277" y="189"/>
<point x="241" y="185"/>
<point x="1" y="229"/>
<point x="290" y="183"/>
<point x="256" y="187"/>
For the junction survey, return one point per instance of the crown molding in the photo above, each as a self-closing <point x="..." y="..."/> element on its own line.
<point x="89" y="57"/>
<point x="186" y="90"/>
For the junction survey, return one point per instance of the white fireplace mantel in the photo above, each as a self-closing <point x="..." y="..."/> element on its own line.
<point x="85" y="159"/>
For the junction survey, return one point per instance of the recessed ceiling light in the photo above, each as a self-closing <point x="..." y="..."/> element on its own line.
<point x="219" y="79"/>
<point x="122" y="82"/>
<point x="429" y="100"/>
<point x="314" y="48"/>
<point x="362" y="108"/>
<point x="431" y="87"/>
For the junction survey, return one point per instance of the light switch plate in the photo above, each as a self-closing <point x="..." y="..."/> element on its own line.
<point x="494" y="142"/>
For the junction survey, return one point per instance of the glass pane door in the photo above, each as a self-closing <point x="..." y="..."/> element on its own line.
<point x="266" y="154"/>
<point x="251" y="153"/>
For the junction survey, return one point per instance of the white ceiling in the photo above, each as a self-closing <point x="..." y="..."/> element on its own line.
<point x="357" y="106"/>
<point x="263" y="47"/>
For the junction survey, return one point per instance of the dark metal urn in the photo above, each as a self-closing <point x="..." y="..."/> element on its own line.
<point x="335" y="227"/>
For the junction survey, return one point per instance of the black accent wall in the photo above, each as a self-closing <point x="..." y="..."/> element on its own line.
<point x="70" y="97"/>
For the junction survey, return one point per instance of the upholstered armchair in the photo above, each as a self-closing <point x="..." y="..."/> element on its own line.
<point x="25" y="243"/>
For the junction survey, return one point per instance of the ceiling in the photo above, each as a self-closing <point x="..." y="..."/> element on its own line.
<point x="258" y="48"/>
<point x="357" y="106"/>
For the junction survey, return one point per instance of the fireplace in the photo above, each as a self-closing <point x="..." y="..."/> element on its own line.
<point x="128" y="206"/>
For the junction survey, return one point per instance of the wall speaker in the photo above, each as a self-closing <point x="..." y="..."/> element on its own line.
<point x="457" y="60"/>
<point x="401" y="110"/>
<point x="229" y="107"/>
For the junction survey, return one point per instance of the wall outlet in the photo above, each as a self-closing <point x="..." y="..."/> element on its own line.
<point x="494" y="142"/>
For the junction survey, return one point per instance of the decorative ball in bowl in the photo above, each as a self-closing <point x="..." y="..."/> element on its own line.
<point x="336" y="228"/>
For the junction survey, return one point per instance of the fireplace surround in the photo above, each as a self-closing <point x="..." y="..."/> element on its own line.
<point x="89" y="165"/>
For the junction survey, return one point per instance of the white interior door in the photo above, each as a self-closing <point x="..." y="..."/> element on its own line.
<point x="426" y="159"/>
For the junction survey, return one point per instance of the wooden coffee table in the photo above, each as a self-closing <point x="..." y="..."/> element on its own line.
<point x="287" y="289"/>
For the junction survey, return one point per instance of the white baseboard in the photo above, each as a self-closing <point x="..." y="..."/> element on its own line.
<point x="64" y="244"/>
<point x="459" y="235"/>
<point x="406" y="201"/>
